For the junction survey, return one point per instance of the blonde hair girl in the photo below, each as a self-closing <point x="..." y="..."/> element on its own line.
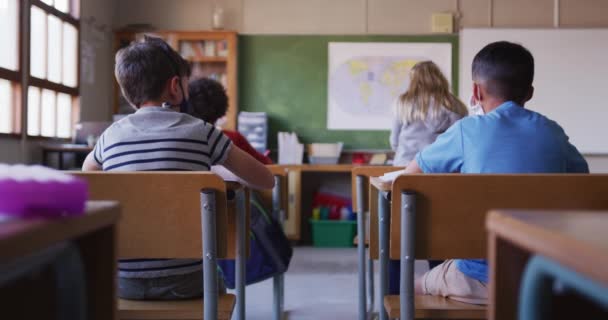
<point x="423" y="112"/>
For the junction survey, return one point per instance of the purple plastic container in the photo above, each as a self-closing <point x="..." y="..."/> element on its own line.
<point x="24" y="194"/>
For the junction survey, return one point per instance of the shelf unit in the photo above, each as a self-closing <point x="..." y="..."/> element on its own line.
<point x="211" y="53"/>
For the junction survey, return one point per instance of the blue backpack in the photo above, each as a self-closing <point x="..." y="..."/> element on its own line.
<point x="269" y="249"/>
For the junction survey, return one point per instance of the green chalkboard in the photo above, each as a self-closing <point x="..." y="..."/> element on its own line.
<point x="286" y="76"/>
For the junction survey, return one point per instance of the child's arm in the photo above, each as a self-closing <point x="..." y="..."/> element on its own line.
<point x="251" y="171"/>
<point x="90" y="164"/>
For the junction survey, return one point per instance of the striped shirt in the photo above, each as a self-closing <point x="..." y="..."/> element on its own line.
<point x="160" y="139"/>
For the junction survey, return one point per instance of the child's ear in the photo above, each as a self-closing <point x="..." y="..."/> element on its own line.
<point x="174" y="90"/>
<point x="476" y="92"/>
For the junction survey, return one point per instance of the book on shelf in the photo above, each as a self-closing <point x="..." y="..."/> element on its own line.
<point x="198" y="48"/>
<point x="209" y="49"/>
<point x="222" y="48"/>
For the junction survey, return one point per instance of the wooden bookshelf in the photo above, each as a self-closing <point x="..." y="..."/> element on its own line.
<point x="211" y="53"/>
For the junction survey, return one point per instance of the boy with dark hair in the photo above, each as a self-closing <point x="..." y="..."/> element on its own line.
<point x="504" y="138"/>
<point x="154" y="79"/>
<point x="209" y="102"/>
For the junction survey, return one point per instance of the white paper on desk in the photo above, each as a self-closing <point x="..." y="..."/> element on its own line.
<point x="391" y="176"/>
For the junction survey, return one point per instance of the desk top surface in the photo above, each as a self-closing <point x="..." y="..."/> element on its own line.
<point x="380" y="184"/>
<point x="576" y="239"/>
<point x="21" y="237"/>
<point x="321" y="167"/>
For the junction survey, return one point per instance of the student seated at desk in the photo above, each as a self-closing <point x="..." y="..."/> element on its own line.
<point x="505" y="138"/>
<point x="154" y="79"/>
<point x="209" y="102"/>
<point x="426" y="110"/>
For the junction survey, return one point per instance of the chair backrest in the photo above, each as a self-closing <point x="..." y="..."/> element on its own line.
<point x="366" y="172"/>
<point x="161" y="211"/>
<point x="451" y="209"/>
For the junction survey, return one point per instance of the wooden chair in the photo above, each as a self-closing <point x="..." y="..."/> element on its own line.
<point x="442" y="217"/>
<point x="162" y="219"/>
<point x="360" y="184"/>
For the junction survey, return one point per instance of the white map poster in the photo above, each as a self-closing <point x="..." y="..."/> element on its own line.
<point x="365" y="78"/>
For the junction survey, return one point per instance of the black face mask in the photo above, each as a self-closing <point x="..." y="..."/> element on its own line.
<point x="184" y="106"/>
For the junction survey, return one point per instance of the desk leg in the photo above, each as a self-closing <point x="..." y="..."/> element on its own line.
<point x="384" y="228"/>
<point x="45" y="158"/>
<point x="361" y="248"/>
<point x="98" y="252"/>
<point x="60" y="160"/>
<point x="506" y="265"/>
<point x="278" y="280"/>
<point x="71" y="285"/>
<point x="408" y="236"/>
<point x="210" y="283"/>
<point x="241" y="253"/>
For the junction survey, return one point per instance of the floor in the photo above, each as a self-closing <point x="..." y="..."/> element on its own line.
<point x="320" y="282"/>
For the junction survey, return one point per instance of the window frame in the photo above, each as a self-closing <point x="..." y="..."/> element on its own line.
<point x="42" y="84"/>
<point x="21" y="78"/>
<point x="16" y="80"/>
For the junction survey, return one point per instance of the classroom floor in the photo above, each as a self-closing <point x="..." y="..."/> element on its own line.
<point x="320" y="282"/>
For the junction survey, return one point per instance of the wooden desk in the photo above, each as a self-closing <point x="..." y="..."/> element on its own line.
<point x="575" y="239"/>
<point x="60" y="149"/>
<point x="93" y="233"/>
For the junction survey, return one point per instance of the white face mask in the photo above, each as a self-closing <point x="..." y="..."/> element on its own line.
<point x="476" y="108"/>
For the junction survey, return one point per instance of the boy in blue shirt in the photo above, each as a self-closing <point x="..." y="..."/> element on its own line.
<point x="503" y="138"/>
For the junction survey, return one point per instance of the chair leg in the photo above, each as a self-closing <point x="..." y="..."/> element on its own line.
<point x="371" y="293"/>
<point x="361" y="248"/>
<point x="278" y="283"/>
<point x="383" y="232"/>
<point x="241" y="256"/>
<point x="210" y="283"/>
<point x="408" y="233"/>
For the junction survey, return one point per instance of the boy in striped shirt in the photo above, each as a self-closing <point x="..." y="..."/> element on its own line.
<point x="158" y="137"/>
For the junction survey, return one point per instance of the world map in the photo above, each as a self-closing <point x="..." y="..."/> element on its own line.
<point x="365" y="78"/>
<point x="369" y="85"/>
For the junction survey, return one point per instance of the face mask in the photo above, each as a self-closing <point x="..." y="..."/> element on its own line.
<point x="184" y="106"/>
<point x="476" y="108"/>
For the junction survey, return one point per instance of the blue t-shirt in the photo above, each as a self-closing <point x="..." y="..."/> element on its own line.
<point x="510" y="139"/>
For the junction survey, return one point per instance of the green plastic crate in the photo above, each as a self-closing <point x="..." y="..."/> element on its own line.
<point x="333" y="233"/>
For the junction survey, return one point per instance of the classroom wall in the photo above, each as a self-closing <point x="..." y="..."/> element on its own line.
<point x="363" y="17"/>
<point x="357" y="16"/>
<point x="97" y="60"/>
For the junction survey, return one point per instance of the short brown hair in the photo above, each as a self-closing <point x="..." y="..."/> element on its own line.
<point x="143" y="68"/>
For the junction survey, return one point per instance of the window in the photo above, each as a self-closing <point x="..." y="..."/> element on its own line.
<point x="53" y="91"/>
<point x="10" y="77"/>
<point x="53" y="82"/>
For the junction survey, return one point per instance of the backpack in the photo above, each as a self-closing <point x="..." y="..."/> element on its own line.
<point x="269" y="249"/>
